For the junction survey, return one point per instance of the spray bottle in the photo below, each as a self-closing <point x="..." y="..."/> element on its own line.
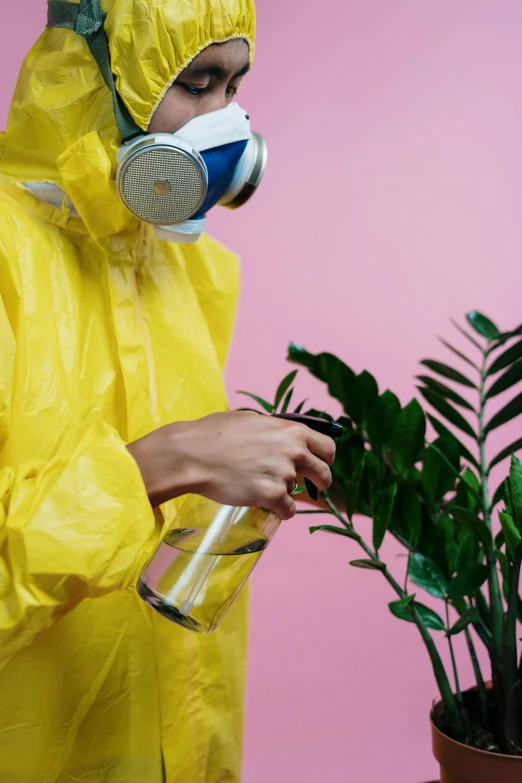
<point x="210" y="551"/>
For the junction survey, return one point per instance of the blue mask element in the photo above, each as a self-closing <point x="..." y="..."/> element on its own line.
<point x="221" y="163"/>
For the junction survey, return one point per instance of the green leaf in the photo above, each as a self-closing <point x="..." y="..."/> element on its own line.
<point x="459" y="354"/>
<point x="410" y="508"/>
<point x="448" y="411"/>
<point x="469" y="616"/>
<point x="469" y="478"/>
<point x="498" y="495"/>
<point x="506" y="358"/>
<point x="468" y="581"/>
<point x="372" y="565"/>
<point x="425" y="573"/>
<point x="508" y="412"/>
<point x="383" y="514"/>
<point x="508" y="379"/>
<point x="341" y="381"/>
<point x="448" y="372"/>
<point x="504" y="567"/>
<point x="371" y="483"/>
<point x="505" y="336"/>
<point x="381" y="419"/>
<point x="439" y="542"/>
<point x="446" y="392"/>
<point x="368" y="392"/>
<point x="403" y="611"/>
<point x="450" y="553"/>
<point x="339" y="531"/>
<point x="465" y="334"/>
<point x="468" y="552"/>
<point x="300" y="406"/>
<point x="407" y="438"/>
<point x="283" y="387"/>
<point x="441" y="429"/>
<point x="482" y="325"/>
<point x="350" y="451"/>
<point x="511" y="533"/>
<point x="440" y="467"/>
<point x="263" y="403"/>
<point x="473" y="523"/>
<point x="466" y="496"/>
<point x="507" y="452"/>
<point x="354" y="486"/>
<point x="286" y="401"/>
<point x="515" y="485"/>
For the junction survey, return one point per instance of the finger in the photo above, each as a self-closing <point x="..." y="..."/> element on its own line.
<point x="284" y="506"/>
<point x="321" y="445"/>
<point x="315" y="469"/>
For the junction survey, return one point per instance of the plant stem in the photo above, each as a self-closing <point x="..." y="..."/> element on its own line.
<point x="483" y="608"/>
<point x="481" y="625"/>
<point x="496" y="605"/>
<point x="452" y="654"/>
<point x="371" y="554"/>
<point x="482" y="692"/>
<point x="448" y="698"/>
<point x="510" y="636"/>
<point x="407" y="571"/>
<point x="311" y="511"/>
<point x="512" y="728"/>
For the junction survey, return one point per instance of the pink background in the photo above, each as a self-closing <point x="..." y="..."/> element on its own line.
<point x="392" y="201"/>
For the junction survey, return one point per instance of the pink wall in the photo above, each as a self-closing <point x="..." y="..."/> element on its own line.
<point x="393" y="200"/>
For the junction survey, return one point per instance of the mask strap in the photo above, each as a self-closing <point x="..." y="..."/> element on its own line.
<point x="86" y="18"/>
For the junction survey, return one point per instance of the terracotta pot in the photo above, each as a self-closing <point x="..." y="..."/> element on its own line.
<point x="462" y="764"/>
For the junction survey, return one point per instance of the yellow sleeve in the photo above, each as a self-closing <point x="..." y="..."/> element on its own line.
<point x="70" y="528"/>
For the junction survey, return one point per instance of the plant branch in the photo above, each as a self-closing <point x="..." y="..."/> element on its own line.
<point x="407" y="572"/>
<point x="481" y="687"/>
<point x="448" y="698"/>
<point x="496" y="605"/>
<point x="481" y="625"/>
<point x="452" y="654"/>
<point x="371" y="554"/>
<point x="510" y="635"/>
<point x="450" y="703"/>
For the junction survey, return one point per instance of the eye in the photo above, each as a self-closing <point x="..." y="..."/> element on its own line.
<point x="195" y="91"/>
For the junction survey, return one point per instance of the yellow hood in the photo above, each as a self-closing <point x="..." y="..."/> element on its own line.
<point x="61" y="98"/>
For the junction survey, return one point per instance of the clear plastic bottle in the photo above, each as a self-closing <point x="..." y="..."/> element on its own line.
<point x="209" y="552"/>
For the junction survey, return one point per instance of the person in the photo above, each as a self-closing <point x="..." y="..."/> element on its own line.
<point x="113" y="406"/>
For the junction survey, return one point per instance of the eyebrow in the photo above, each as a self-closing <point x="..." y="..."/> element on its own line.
<point x="214" y="70"/>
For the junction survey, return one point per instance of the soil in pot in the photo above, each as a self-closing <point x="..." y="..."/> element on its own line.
<point x="461" y="763"/>
<point x="484" y="738"/>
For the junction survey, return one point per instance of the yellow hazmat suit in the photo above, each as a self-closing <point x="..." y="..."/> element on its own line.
<point x="105" y="334"/>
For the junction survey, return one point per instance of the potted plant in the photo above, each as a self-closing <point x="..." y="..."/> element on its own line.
<point x="434" y="496"/>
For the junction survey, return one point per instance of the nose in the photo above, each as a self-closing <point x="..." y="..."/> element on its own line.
<point x="215" y="100"/>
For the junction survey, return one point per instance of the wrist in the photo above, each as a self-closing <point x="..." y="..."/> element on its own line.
<point x="165" y="463"/>
<point x="188" y="475"/>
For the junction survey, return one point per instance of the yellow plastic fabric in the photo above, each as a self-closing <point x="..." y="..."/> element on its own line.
<point x="105" y="334"/>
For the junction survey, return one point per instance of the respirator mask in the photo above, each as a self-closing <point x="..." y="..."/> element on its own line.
<point x="172" y="180"/>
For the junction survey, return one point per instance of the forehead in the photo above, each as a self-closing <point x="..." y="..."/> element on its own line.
<point x="222" y="60"/>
